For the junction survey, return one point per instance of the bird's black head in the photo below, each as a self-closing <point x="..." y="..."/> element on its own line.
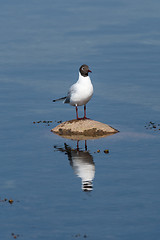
<point x="84" y="70"/>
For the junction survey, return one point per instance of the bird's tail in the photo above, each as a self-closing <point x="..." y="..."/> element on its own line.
<point x="59" y="99"/>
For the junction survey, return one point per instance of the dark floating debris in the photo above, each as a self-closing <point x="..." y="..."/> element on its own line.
<point x="152" y="126"/>
<point x="59" y="121"/>
<point x="106" y="151"/>
<point x="15" y="236"/>
<point x="44" y="121"/>
<point x="11" y="201"/>
<point x="80" y="235"/>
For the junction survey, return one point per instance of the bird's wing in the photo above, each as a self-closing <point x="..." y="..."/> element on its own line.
<point x="71" y="90"/>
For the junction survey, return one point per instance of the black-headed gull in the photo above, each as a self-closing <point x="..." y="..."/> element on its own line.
<point x="81" y="92"/>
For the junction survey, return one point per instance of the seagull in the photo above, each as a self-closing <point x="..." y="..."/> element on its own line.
<point x="81" y="92"/>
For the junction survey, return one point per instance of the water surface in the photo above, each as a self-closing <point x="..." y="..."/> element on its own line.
<point x="42" y="46"/>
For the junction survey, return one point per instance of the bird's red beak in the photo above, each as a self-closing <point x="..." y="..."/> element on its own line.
<point x="89" y="70"/>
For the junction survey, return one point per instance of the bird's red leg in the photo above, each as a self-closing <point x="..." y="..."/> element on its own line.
<point x="77" y="112"/>
<point x="78" y="145"/>
<point x="86" y="145"/>
<point x="84" y="111"/>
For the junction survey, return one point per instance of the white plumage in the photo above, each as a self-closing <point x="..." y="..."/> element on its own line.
<point x="81" y="92"/>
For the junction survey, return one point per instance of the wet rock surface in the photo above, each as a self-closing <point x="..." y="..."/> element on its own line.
<point x="83" y="127"/>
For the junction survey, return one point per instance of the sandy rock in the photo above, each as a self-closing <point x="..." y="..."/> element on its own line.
<point x="83" y="127"/>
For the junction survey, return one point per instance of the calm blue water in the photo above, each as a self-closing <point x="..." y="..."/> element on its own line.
<point x="42" y="45"/>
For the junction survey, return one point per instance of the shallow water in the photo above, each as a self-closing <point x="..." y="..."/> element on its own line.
<point x="42" y="46"/>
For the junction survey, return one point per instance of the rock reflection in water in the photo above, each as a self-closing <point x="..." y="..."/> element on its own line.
<point x="82" y="164"/>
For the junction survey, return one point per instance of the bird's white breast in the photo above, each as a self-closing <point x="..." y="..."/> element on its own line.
<point x="81" y="91"/>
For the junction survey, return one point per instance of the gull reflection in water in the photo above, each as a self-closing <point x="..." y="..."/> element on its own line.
<point x="82" y="164"/>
